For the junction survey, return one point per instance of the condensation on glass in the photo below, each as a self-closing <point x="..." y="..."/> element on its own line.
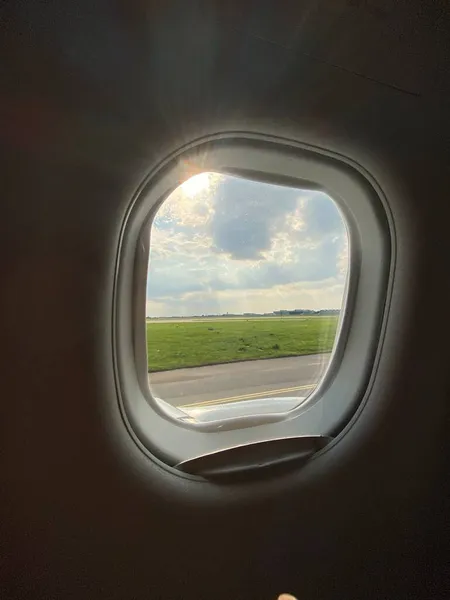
<point x="246" y="284"/>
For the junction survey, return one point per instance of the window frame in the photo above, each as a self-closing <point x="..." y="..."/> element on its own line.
<point x="363" y="316"/>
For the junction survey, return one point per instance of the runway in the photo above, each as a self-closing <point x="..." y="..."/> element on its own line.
<point x="231" y="382"/>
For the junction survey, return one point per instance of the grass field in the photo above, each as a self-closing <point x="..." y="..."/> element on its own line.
<point x="173" y="345"/>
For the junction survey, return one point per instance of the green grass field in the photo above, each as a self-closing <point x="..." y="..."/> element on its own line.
<point x="177" y="344"/>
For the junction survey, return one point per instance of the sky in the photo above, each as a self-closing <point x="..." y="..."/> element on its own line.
<point x="223" y="244"/>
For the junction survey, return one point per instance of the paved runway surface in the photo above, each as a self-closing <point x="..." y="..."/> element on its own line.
<point x="277" y="377"/>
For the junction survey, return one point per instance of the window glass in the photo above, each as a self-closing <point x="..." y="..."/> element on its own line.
<point x="245" y="288"/>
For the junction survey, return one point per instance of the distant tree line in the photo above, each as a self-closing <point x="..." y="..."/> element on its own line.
<point x="307" y="311"/>
<point x="275" y="313"/>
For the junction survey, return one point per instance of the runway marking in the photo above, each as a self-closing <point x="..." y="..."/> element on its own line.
<point x="248" y="396"/>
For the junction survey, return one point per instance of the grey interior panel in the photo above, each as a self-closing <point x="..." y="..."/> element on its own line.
<point x="97" y="94"/>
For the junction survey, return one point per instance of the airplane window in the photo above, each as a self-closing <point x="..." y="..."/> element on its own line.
<point x="245" y="290"/>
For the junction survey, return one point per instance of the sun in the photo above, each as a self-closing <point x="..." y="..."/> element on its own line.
<point x="192" y="186"/>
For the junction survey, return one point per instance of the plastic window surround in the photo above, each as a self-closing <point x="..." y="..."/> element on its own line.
<point x="328" y="409"/>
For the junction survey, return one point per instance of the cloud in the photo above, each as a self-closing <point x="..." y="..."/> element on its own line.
<point x="321" y="216"/>
<point x="327" y="293"/>
<point x="236" y="243"/>
<point x="247" y="215"/>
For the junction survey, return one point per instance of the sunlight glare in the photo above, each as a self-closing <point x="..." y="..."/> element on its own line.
<point x="195" y="184"/>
